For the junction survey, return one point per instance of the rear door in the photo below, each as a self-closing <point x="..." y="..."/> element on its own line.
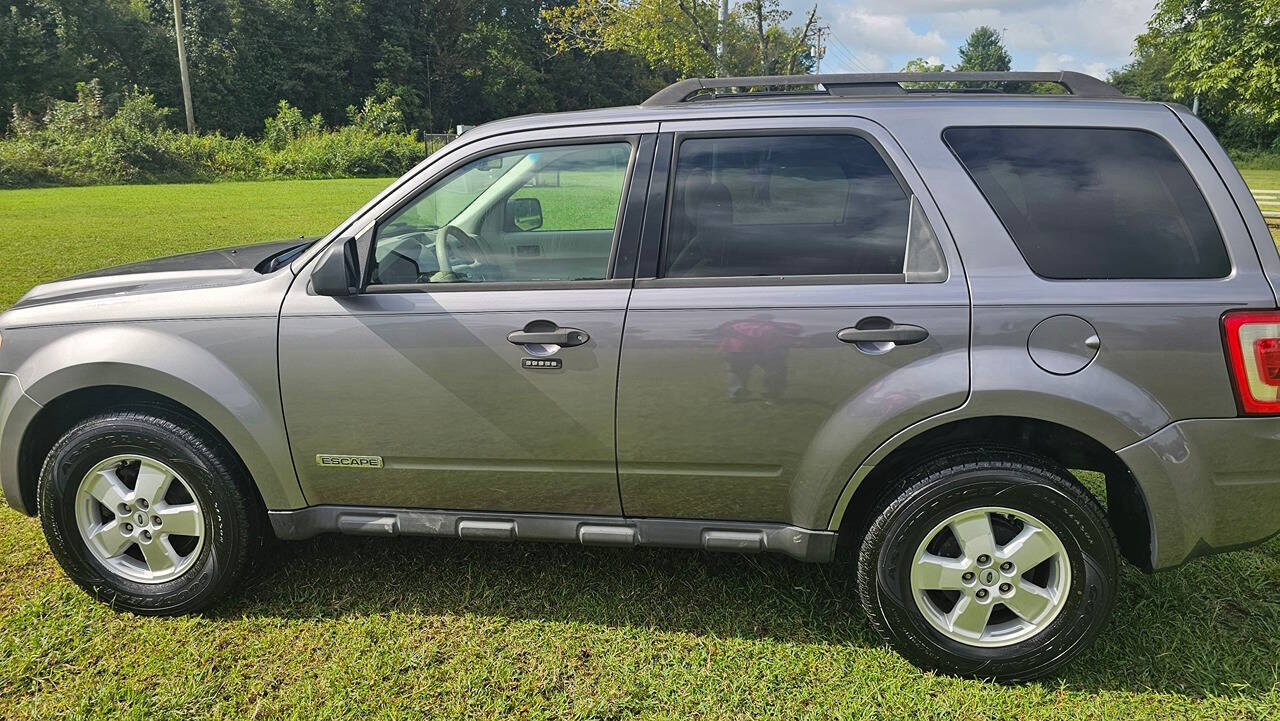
<point x="797" y="301"/>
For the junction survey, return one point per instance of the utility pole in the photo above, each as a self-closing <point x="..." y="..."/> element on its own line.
<point x="724" y="21"/>
<point x="182" y="67"/>
<point x="818" y="49"/>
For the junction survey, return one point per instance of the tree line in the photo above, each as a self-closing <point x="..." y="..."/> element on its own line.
<point x="446" y="62"/>
<point x="435" y="64"/>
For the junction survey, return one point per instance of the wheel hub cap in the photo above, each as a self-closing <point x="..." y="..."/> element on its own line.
<point x="990" y="577"/>
<point x="139" y="519"/>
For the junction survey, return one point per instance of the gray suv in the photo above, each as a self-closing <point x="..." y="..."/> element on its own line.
<point x="884" y="311"/>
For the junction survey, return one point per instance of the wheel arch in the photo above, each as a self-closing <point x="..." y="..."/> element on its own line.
<point x="99" y="368"/>
<point x="1121" y="493"/>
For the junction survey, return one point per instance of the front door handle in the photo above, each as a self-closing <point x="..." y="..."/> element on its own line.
<point x="541" y="332"/>
<point x="896" y="333"/>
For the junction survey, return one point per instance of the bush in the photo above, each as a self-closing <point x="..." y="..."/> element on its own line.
<point x="346" y="152"/>
<point x="1256" y="159"/>
<point x="83" y="142"/>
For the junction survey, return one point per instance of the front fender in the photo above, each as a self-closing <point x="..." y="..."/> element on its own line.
<point x="222" y="369"/>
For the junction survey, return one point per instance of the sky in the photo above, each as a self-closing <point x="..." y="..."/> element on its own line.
<point x="1091" y="36"/>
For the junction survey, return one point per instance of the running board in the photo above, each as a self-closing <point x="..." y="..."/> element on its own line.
<point x="731" y="536"/>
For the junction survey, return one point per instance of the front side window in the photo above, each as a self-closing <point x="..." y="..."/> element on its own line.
<point x="791" y="206"/>
<point x="542" y="214"/>
<point x="1094" y="203"/>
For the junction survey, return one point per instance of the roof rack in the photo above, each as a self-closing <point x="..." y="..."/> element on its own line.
<point x="876" y="85"/>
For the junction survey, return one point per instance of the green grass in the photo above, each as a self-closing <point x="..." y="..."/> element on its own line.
<point x="346" y="627"/>
<point x="49" y="233"/>
<point x="1262" y="179"/>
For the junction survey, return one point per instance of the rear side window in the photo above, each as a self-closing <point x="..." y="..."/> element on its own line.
<point x="1094" y="203"/>
<point x="794" y="205"/>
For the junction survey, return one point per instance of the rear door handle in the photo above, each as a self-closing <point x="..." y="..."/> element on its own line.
<point x="541" y="332"/>
<point x="897" y="333"/>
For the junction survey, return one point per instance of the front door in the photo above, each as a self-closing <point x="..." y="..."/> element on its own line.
<point x="798" y="309"/>
<point x="477" y="368"/>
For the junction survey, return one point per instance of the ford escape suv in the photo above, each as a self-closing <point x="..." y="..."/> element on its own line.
<point x="849" y="308"/>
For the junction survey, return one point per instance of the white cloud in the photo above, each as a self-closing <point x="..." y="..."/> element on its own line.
<point x="871" y="39"/>
<point x="1087" y="35"/>
<point x="1064" y="61"/>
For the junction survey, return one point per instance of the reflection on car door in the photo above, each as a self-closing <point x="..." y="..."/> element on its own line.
<point x="786" y="322"/>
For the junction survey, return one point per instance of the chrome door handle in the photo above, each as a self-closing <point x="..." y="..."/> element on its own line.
<point x="541" y="332"/>
<point x="897" y="333"/>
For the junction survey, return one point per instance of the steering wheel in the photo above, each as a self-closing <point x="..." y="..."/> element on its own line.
<point x="465" y="241"/>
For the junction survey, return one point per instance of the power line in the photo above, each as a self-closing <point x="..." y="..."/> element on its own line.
<point x="843" y="58"/>
<point x="857" y="61"/>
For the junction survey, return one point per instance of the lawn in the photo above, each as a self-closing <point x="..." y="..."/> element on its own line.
<point x="1262" y="179"/>
<point x="410" y="628"/>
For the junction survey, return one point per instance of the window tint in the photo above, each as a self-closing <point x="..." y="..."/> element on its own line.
<point x="1094" y="203"/>
<point x="543" y="214"/>
<point x="788" y="205"/>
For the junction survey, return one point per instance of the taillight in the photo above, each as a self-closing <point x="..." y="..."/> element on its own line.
<point x="1253" y="349"/>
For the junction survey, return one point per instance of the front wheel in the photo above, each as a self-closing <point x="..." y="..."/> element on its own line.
<point x="148" y="512"/>
<point x="991" y="564"/>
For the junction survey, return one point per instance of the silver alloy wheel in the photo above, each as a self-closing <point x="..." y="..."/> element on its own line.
<point x="1029" y="576"/>
<point x="115" y="518"/>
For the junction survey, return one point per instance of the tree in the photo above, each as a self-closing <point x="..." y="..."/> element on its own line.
<point x="1227" y="51"/>
<point x="922" y="65"/>
<point x="1146" y="77"/>
<point x="47" y="47"/>
<point x="984" y="51"/>
<point x="684" y="36"/>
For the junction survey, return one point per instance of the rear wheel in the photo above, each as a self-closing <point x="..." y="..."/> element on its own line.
<point x="147" y="512"/>
<point x="993" y="564"/>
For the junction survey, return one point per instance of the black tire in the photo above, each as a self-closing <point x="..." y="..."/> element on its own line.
<point x="970" y="479"/>
<point x="231" y="514"/>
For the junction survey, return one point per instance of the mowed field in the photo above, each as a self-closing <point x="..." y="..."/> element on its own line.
<point x="414" y="628"/>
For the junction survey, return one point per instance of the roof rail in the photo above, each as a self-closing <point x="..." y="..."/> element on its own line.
<point x="879" y="84"/>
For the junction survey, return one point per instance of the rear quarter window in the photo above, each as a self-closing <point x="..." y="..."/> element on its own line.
<point x="1094" y="203"/>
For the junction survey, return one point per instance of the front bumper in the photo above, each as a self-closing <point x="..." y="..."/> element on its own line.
<point x="1210" y="485"/>
<point x="17" y="409"/>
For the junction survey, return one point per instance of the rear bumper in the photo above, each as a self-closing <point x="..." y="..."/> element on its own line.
<point x="1210" y="485"/>
<point x="16" y="411"/>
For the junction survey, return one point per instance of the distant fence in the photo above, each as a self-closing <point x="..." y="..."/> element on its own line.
<point x="1269" y="202"/>
<point x="435" y="141"/>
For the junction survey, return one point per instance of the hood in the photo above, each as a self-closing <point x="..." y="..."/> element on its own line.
<point x="206" y="269"/>
<point x="240" y="257"/>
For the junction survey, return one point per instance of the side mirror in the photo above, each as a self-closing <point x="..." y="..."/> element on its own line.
<point x="338" y="273"/>
<point x="524" y="214"/>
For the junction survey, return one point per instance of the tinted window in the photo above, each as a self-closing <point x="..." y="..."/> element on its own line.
<point x="1094" y="202"/>
<point x="785" y="205"/>
<point x="543" y="214"/>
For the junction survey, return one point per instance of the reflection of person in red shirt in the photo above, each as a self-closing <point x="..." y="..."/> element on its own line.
<point x="756" y="341"/>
